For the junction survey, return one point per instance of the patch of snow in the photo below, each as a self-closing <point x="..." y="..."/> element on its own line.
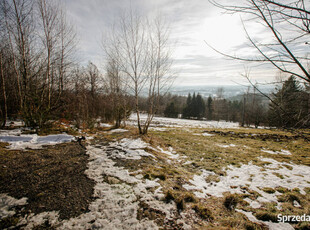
<point x="170" y="152"/>
<point x="7" y="204"/>
<point x="226" y="146"/>
<point x="89" y="137"/>
<point x="33" y="220"/>
<point x="116" y="205"/>
<point x="271" y="225"/>
<point x="14" y="123"/>
<point x="132" y="149"/>
<point x="253" y="203"/>
<point x="129" y="154"/>
<point x="296" y="204"/>
<point x="132" y="143"/>
<point x="158" y="129"/>
<point x="14" y="132"/>
<point x="208" y="134"/>
<point x="181" y="123"/>
<point x="33" y="141"/>
<point x="283" y="152"/>
<point x="105" y="125"/>
<point x="252" y="177"/>
<point x="204" y="134"/>
<point x="118" y="131"/>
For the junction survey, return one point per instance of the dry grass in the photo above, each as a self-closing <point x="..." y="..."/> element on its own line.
<point x="206" y="152"/>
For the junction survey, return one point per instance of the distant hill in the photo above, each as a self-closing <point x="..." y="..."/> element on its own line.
<point x="230" y="92"/>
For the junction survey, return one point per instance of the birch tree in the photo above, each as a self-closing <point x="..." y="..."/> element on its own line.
<point x="143" y="53"/>
<point x="40" y="42"/>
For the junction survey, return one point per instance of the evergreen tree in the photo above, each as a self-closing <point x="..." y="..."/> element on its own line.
<point x="209" y="108"/>
<point x="200" y="107"/>
<point x="187" y="108"/>
<point x="290" y="105"/>
<point x="195" y="107"/>
<point x="171" y="111"/>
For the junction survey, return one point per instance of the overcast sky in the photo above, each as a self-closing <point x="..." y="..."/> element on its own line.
<point x="192" y="22"/>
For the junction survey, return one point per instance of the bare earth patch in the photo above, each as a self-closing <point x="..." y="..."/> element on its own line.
<point x="51" y="179"/>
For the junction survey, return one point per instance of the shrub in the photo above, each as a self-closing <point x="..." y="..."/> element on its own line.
<point x="230" y="202"/>
<point x="203" y="212"/>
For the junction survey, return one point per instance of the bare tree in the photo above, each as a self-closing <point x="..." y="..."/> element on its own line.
<point x="142" y="51"/>
<point x="159" y="66"/>
<point x="19" y="26"/>
<point x="65" y="50"/>
<point x="3" y="82"/>
<point x="288" y="24"/>
<point x="116" y="88"/>
<point x="40" y="42"/>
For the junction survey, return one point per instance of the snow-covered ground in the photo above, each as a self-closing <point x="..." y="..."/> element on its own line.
<point x="118" y="131"/>
<point x="32" y="141"/>
<point x="271" y="225"/>
<point x="170" y="152"/>
<point x="116" y="204"/>
<point x="7" y="204"/>
<point x="255" y="178"/>
<point x="181" y="123"/>
<point x="131" y="149"/>
<point x="14" y="123"/>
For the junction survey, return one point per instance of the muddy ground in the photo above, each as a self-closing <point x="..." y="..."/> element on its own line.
<point x="51" y="178"/>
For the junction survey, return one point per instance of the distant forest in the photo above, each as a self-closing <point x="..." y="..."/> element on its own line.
<point x="287" y="107"/>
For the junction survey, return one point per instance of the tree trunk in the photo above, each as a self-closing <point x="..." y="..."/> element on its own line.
<point x="5" y="114"/>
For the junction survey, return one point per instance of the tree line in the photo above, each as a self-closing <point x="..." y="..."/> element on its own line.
<point x="41" y="81"/>
<point x="287" y="107"/>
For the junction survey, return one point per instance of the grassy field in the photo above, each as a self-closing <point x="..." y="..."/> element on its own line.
<point x="209" y="178"/>
<point x="215" y="150"/>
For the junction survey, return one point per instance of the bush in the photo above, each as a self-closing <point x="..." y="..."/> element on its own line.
<point x="230" y="202"/>
<point x="203" y="212"/>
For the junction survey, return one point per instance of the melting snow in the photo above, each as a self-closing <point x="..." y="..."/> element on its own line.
<point x="171" y="153"/>
<point x="256" y="179"/>
<point x="33" y="220"/>
<point x="34" y="141"/>
<point x="158" y="129"/>
<point x="118" y="131"/>
<point x="226" y="146"/>
<point x="14" y="123"/>
<point x="7" y="204"/>
<point x="208" y="135"/>
<point x="271" y="225"/>
<point x="132" y="149"/>
<point x="116" y="205"/>
<point x="105" y="125"/>
<point x="16" y="132"/>
<point x="175" y="122"/>
<point x="283" y="152"/>
<point x="204" y="134"/>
